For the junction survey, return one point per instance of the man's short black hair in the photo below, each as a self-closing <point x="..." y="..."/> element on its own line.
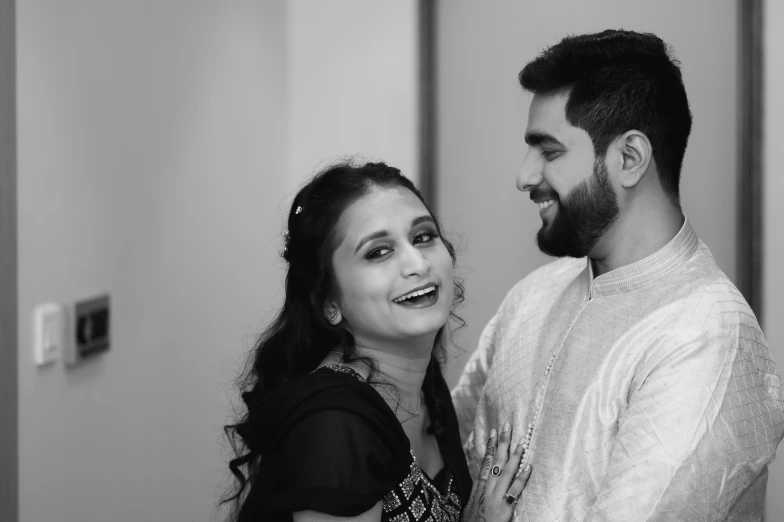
<point x="619" y="81"/>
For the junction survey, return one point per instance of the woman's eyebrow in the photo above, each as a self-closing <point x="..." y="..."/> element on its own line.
<point x="371" y="237"/>
<point x="422" y="219"/>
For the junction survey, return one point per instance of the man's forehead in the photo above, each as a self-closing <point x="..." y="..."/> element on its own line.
<point x="547" y="117"/>
<point x="548" y="110"/>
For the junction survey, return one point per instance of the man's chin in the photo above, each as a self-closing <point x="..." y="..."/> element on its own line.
<point x="545" y="241"/>
<point x="555" y="245"/>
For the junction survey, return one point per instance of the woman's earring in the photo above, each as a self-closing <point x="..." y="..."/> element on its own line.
<point x="334" y="317"/>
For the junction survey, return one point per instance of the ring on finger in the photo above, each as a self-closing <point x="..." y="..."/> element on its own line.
<point x="496" y="470"/>
<point x="510" y="499"/>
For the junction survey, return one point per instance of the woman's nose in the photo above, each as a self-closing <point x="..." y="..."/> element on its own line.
<point x="414" y="262"/>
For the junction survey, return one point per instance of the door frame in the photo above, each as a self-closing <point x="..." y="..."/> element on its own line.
<point x="9" y="347"/>
<point x="750" y="164"/>
<point x="426" y="34"/>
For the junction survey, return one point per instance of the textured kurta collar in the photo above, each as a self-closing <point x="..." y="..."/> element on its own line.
<point x="630" y="277"/>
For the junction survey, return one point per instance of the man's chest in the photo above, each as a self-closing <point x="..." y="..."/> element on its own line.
<point x="564" y="362"/>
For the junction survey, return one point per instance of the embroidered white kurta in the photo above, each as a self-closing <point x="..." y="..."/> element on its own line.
<point x="662" y="401"/>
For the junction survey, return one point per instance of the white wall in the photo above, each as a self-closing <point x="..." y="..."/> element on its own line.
<point x="352" y="71"/>
<point x="159" y="144"/>
<point x="483" y="113"/>
<point x="773" y="217"/>
<point x="150" y="152"/>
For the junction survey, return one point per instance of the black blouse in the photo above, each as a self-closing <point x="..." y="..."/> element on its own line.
<point x="331" y="444"/>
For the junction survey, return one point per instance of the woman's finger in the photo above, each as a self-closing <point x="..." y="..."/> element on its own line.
<point x="487" y="463"/>
<point x="512" y="465"/>
<point x="502" y="451"/>
<point x="518" y="485"/>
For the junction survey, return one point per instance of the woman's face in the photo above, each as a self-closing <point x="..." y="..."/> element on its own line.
<point x="393" y="273"/>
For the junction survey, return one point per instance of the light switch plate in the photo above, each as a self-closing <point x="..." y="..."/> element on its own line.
<point x="48" y="333"/>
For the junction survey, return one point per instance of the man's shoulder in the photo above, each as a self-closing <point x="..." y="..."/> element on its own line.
<point x="707" y="281"/>
<point x="699" y="300"/>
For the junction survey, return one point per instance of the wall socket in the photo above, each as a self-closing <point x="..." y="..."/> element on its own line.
<point x="91" y="327"/>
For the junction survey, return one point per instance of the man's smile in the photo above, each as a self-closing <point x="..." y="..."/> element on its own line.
<point x="546" y="204"/>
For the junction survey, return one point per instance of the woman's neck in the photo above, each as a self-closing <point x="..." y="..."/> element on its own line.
<point x="405" y="372"/>
<point x="404" y="367"/>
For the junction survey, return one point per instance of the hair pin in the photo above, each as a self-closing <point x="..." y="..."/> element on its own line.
<point x="299" y="210"/>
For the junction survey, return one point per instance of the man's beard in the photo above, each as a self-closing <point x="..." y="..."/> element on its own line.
<point x="582" y="217"/>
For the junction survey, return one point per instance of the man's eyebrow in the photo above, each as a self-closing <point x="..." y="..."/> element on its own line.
<point x="384" y="233"/>
<point x="541" y="138"/>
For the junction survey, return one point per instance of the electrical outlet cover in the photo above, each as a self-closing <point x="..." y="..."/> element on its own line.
<point x="91" y="329"/>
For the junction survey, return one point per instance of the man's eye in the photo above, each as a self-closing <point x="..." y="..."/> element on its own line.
<point x="551" y="154"/>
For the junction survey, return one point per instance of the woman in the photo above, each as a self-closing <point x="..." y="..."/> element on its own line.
<point x="348" y="414"/>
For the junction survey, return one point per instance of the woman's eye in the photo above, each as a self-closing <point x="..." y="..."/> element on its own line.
<point x="425" y="237"/>
<point x="378" y="252"/>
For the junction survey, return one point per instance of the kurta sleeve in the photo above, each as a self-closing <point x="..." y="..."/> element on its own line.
<point x="466" y="394"/>
<point x="338" y="463"/>
<point x="703" y="419"/>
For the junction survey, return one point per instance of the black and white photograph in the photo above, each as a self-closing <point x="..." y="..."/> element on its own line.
<point x="391" y="260"/>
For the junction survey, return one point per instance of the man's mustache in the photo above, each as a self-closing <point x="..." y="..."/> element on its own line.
<point x="543" y="194"/>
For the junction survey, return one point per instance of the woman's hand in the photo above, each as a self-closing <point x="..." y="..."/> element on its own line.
<point x="498" y="488"/>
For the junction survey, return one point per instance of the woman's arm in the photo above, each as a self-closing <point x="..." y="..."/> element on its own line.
<point x="371" y="515"/>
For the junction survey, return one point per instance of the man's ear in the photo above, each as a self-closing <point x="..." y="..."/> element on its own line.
<point x="635" y="153"/>
<point x="332" y="314"/>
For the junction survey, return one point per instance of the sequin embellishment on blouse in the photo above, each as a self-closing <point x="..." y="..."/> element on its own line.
<point x="342" y="368"/>
<point x="417" y="499"/>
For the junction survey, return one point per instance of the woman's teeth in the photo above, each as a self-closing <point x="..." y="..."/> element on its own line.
<point x="545" y="204"/>
<point x="424" y="291"/>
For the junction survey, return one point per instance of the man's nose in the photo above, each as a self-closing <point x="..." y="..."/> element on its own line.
<point x="530" y="174"/>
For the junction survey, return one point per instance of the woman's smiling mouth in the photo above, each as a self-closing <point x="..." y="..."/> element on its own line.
<point x="421" y="297"/>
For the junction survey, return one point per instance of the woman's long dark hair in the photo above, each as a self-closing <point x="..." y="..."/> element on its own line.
<point x="300" y="337"/>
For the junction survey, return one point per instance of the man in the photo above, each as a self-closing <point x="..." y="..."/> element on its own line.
<point x="632" y="370"/>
